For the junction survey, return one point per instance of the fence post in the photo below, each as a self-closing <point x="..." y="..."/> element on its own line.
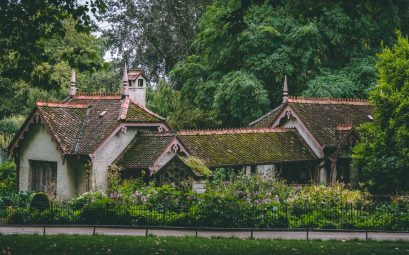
<point x="93" y="232"/>
<point x="146" y="232"/>
<point x="308" y="238"/>
<point x="366" y="235"/>
<point x="43" y="230"/>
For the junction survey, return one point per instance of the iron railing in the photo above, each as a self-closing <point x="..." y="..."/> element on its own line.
<point x="378" y="216"/>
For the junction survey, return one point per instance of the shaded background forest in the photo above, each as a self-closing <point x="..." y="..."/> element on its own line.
<point x="211" y="63"/>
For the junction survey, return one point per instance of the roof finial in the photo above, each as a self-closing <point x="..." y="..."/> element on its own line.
<point x="73" y="83"/>
<point x="285" y="90"/>
<point x="125" y="81"/>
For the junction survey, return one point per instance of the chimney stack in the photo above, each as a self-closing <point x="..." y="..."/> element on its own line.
<point x="73" y="83"/>
<point x="137" y="86"/>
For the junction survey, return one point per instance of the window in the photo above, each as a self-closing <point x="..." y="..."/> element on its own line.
<point x="140" y="82"/>
<point x="44" y="176"/>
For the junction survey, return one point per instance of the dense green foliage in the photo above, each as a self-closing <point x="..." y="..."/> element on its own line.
<point x="27" y="27"/>
<point x="74" y="49"/>
<point x="325" y="48"/>
<point x="153" y="34"/>
<point x="383" y="151"/>
<point x="78" y="245"/>
<point x="241" y="202"/>
<point x="7" y="177"/>
<point x="40" y="201"/>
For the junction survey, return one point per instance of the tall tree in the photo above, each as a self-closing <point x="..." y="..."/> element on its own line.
<point x="27" y="24"/>
<point x="324" y="47"/>
<point x="153" y="34"/>
<point x="383" y="151"/>
<point x="80" y="50"/>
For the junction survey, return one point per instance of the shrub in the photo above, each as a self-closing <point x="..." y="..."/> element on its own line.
<point x="40" y="202"/>
<point x="7" y="177"/>
<point x="87" y="199"/>
<point x="106" y="213"/>
<point x="14" y="199"/>
<point x="22" y="216"/>
<point x="255" y="189"/>
<point x="170" y="198"/>
<point x="318" y="196"/>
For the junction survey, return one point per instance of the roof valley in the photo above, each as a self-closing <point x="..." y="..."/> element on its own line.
<point x="80" y="132"/>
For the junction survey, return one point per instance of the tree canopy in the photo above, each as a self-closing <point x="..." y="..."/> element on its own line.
<point x="383" y="150"/>
<point x="325" y="48"/>
<point x="153" y="34"/>
<point x="51" y="80"/>
<point x="26" y="27"/>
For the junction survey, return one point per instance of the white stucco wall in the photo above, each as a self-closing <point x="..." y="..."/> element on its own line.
<point x="104" y="157"/>
<point x="38" y="145"/>
<point x="138" y="94"/>
<point x="77" y="171"/>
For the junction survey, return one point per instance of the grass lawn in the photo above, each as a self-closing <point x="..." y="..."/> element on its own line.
<point x="12" y="245"/>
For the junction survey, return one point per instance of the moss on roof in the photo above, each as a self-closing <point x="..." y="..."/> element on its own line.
<point x="138" y="114"/>
<point x="197" y="166"/>
<point x="247" y="148"/>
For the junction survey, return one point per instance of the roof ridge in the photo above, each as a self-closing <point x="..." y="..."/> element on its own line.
<point x="83" y="95"/>
<point x="62" y="104"/>
<point x="232" y="131"/>
<point x="327" y="100"/>
<point x="265" y="115"/>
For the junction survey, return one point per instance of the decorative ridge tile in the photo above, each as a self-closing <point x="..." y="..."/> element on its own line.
<point x="232" y="131"/>
<point x="97" y="96"/>
<point x="60" y="104"/>
<point x="326" y="100"/>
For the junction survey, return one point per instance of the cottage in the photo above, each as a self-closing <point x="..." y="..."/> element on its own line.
<point x="65" y="148"/>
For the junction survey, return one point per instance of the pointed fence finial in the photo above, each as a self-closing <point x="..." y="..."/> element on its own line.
<point x="125" y="81"/>
<point x="285" y="90"/>
<point x="73" y="83"/>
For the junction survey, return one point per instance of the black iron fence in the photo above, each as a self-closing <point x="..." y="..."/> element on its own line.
<point x="384" y="216"/>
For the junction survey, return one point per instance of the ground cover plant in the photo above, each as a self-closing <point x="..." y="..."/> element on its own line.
<point x="154" y="245"/>
<point x="232" y="202"/>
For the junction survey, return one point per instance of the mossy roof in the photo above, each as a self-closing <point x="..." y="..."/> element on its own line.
<point x="136" y="113"/>
<point x="143" y="150"/>
<point x="84" y="122"/>
<point x="322" y="116"/>
<point x="197" y="166"/>
<point x="217" y="148"/>
<point x="241" y="147"/>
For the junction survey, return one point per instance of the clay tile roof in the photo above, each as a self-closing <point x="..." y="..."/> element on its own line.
<point x="98" y="127"/>
<point x="64" y="122"/>
<point x="267" y="119"/>
<point x="85" y="121"/>
<point x="323" y="117"/>
<point x="217" y="148"/>
<point x="133" y="74"/>
<point x="245" y="146"/>
<point x="137" y="113"/>
<point x="143" y="150"/>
